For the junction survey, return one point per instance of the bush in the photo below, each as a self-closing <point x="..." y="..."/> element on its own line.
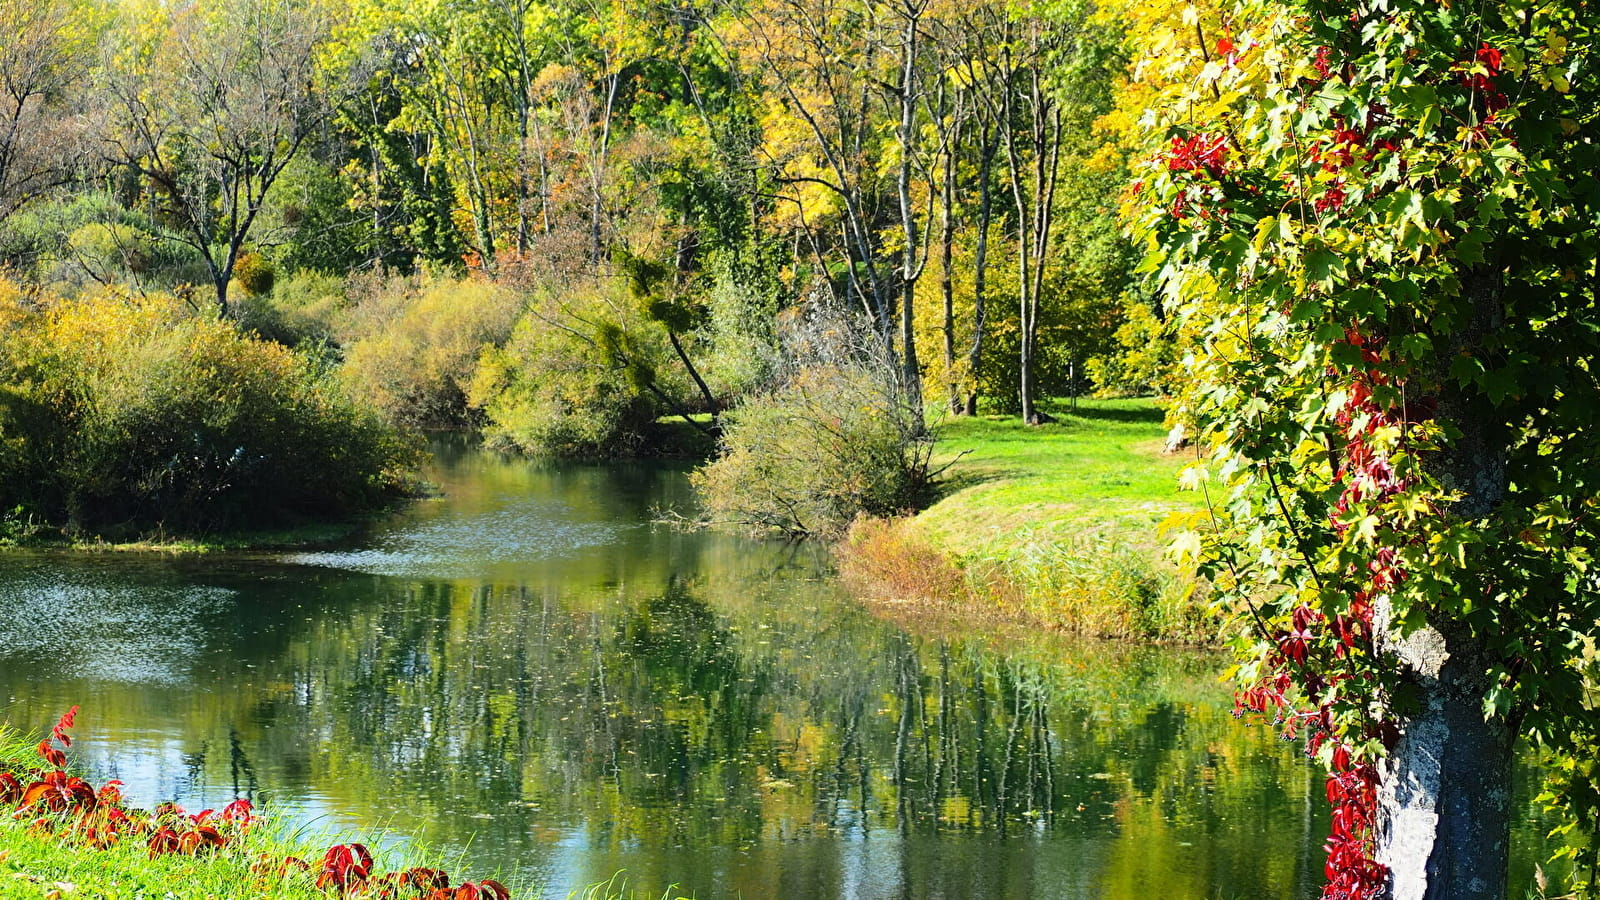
<point x="255" y="274"/>
<point x="90" y="239"/>
<point x="122" y="416"/>
<point x="300" y="311"/>
<point x="572" y="383"/>
<point x="833" y="440"/>
<point x="412" y="347"/>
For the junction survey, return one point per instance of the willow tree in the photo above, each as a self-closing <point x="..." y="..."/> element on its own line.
<point x="1382" y="218"/>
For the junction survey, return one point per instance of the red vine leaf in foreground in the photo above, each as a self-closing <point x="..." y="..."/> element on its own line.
<point x="345" y="868"/>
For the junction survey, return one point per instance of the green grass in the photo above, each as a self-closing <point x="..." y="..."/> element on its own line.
<point x="35" y="866"/>
<point x="53" y="860"/>
<point x="1058" y="525"/>
<point x="1099" y="471"/>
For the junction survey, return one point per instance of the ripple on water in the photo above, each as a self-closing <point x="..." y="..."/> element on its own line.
<point x="130" y="633"/>
<point x="457" y="548"/>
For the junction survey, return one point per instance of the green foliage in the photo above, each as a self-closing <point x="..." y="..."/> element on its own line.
<point x="741" y="327"/>
<point x="412" y="345"/>
<point x="120" y="417"/>
<point x="304" y="310"/>
<point x="835" y="439"/>
<point x="570" y="383"/>
<point x="1143" y="358"/>
<point x="1382" y="229"/>
<point x="89" y="239"/>
<point x="313" y="221"/>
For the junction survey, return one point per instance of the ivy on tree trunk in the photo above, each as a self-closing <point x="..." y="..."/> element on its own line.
<point x="1378" y="221"/>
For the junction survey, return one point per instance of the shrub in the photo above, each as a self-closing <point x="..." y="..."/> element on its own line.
<point x="255" y="274"/>
<point x="124" y="416"/>
<point x="89" y="238"/>
<point x="301" y="310"/>
<point x="412" y="346"/>
<point x="833" y="440"/>
<point x="572" y="383"/>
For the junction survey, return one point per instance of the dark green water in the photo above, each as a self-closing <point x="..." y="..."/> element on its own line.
<point x="530" y="678"/>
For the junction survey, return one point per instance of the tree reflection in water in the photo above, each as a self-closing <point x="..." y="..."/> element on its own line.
<point x="694" y="708"/>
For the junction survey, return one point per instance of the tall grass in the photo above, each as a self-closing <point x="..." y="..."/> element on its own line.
<point x="616" y="888"/>
<point x="1093" y="585"/>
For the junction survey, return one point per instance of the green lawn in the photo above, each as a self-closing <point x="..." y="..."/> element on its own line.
<point x="1059" y="525"/>
<point x="1099" y="471"/>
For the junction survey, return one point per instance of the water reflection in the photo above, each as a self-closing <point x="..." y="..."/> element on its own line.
<point x="528" y="674"/>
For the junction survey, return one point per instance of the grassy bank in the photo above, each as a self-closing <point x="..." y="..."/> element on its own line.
<point x="1057" y="525"/>
<point x="61" y="837"/>
<point x="317" y="534"/>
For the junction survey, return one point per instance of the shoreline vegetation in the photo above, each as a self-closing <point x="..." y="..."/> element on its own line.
<point x="1058" y="526"/>
<point x="62" y="837"/>
<point x="65" y="837"/>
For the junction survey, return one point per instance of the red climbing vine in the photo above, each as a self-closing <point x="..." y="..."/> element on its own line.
<point x="1376" y="227"/>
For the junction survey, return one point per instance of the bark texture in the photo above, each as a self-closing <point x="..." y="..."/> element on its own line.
<point x="1444" y="804"/>
<point x="1444" y="800"/>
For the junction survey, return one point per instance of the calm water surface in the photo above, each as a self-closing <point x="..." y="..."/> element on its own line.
<point x="531" y="679"/>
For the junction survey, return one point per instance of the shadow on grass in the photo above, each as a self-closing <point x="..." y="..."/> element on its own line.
<point x="1133" y="416"/>
<point x="957" y="479"/>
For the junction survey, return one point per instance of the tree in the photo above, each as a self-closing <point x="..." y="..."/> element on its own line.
<point x="214" y="101"/>
<point x="45" y="114"/>
<point x="829" y="65"/>
<point x="963" y="38"/>
<point x="1382" y="220"/>
<point x="1030" y="120"/>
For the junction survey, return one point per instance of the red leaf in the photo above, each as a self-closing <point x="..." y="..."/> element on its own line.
<point x="62" y="724"/>
<point x="51" y="755"/>
<point x="34" y="794"/>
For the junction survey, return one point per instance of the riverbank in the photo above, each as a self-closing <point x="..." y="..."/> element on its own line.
<point x="1059" y="525"/>
<point x="64" y="836"/>
<point x="311" y="535"/>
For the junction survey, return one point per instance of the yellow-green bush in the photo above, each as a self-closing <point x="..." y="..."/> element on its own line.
<point x="573" y="383"/>
<point x="831" y="443"/>
<point x="254" y="273"/>
<point x="411" y="348"/>
<point x="301" y="310"/>
<point x="120" y="416"/>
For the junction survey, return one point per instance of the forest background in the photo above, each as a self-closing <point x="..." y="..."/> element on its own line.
<point x="556" y="223"/>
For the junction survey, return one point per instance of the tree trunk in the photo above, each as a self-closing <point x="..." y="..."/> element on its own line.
<point x="911" y="263"/>
<point x="947" y="290"/>
<point x="987" y="148"/>
<point x="1444" y="793"/>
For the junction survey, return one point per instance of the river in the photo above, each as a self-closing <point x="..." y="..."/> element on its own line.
<point x="530" y="678"/>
